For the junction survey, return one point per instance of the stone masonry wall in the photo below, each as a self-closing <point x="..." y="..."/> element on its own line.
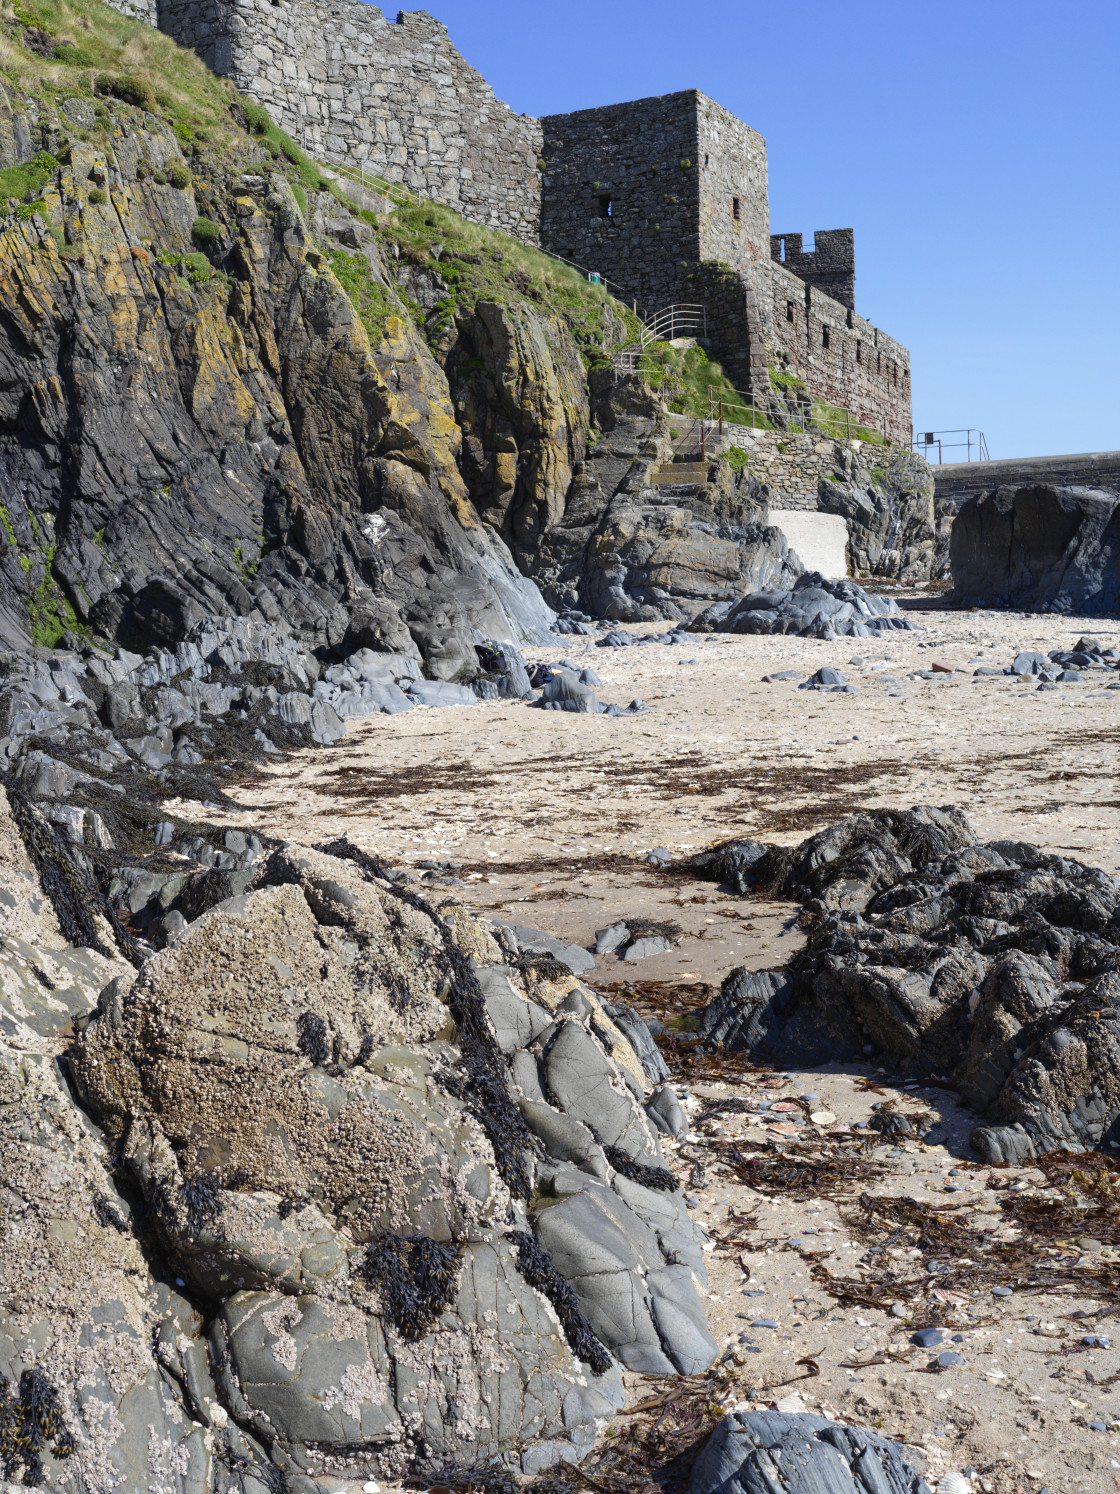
<point x="621" y="194"/>
<point x="829" y="267"/>
<point x="790" y="466"/>
<point x="841" y="357"/>
<point x="351" y="86"/>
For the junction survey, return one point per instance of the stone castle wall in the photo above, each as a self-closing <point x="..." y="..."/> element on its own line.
<point x="621" y="194"/>
<point x="839" y="355"/>
<point x="666" y="198"/>
<point x="351" y="86"/>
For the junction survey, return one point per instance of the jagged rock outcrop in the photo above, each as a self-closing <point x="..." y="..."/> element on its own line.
<point x="234" y="437"/>
<point x="811" y="607"/>
<point x="996" y="965"/>
<point x="799" y="1453"/>
<point x="631" y="550"/>
<point x="1039" y="549"/>
<point x="896" y="528"/>
<point x="521" y="400"/>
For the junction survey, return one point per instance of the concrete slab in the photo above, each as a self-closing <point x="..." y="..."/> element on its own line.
<point x="821" y="540"/>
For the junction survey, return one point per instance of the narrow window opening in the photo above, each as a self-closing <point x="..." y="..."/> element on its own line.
<point x="782" y="250"/>
<point x="735" y="208"/>
<point x="790" y="312"/>
<point x="878" y="363"/>
<point x="606" y="206"/>
<point x="825" y="337"/>
<point x="895" y="367"/>
<point x="705" y="158"/>
<point x="859" y="351"/>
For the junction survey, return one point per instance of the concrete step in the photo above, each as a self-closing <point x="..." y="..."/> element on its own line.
<point x="681" y="473"/>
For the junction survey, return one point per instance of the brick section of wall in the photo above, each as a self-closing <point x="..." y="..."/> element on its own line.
<point x="841" y="357"/>
<point x="829" y="267"/>
<point x="641" y="160"/>
<point x="351" y="86"/>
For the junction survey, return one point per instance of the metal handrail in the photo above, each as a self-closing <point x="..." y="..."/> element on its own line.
<point x="973" y="440"/>
<point x="717" y="404"/>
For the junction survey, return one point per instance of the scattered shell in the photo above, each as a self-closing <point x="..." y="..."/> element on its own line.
<point x="822" y="1117"/>
<point x="954" y="1483"/>
<point x="792" y="1405"/>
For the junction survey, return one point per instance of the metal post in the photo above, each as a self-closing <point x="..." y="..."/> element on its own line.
<point x="703" y="456"/>
<point x="721" y="418"/>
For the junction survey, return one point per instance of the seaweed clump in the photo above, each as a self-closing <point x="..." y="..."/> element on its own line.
<point x="66" y="884"/>
<point x="312" y="1030"/>
<point x="658" y="1178"/>
<point x="30" y="1421"/>
<point x="535" y="1265"/>
<point x="416" y="1277"/>
<point x="201" y="1201"/>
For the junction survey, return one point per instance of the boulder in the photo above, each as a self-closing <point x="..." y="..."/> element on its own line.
<point x="799" y="1453"/>
<point x="1039" y="549"/>
<point x="993" y="964"/>
<point x="811" y="608"/>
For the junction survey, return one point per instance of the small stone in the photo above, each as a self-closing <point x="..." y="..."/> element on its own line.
<point x="1002" y="1291"/>
<point x="899" y="1310"/>
<point x="763" y="1323"/>
<point x="958" y="1338"/>
<point x="938" y="668"/>
<point x="948" y="1359"/>
<point x="1098" y="1426"/>
<point x="1096" y="1341"/>
<point x="926" y="1338"/>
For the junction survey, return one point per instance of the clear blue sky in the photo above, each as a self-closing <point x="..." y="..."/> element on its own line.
<point x="974" y="148"/>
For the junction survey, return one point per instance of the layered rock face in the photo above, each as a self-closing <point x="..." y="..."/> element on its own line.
<point x="233" y="440"/>
<point x="401" y="1178"/>
<point x="1039" y="548"/>
<point x="996" y="965"/>
<point x="896" y="527"/>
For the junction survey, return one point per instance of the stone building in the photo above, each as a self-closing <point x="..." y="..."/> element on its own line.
<point x="666" y="197"/>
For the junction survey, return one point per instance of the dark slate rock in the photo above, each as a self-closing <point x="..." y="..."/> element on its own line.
<point x="643" y="948"/>
<point x="1038" y="548"/>
<point x="812" y="608"/>
<point x="610" y="939"/>
<point x="664" y="1110"/>
<point x="764" y="1452"/>
<point x="637" y="1031"/>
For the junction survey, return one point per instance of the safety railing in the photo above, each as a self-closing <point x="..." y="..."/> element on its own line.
<point x="833" y="420"/>
<point x="934" y="444"/>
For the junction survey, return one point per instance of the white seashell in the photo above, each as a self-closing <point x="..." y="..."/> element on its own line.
<point x="822" y="1117"/>
<point x="954" y="1483"/>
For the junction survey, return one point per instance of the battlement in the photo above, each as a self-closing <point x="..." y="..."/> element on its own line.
<point x="830" y="265"/>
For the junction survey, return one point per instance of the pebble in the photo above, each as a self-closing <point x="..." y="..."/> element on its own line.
<point x="958" y="1338"/>
<point x="1096" y="1341"/>
<point x="926" y="1338"/>
<point x="1002" y="1291"/>
<point x="763" y="1323"/>
<point x="1098" y="1426"/>
<point x="948" y="1359"/>
<point x="899" y="1310"/>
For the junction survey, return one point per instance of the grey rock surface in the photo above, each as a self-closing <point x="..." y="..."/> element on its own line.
<point x="755" y="1451"/>
<point x="993" y="964"/>
<point x="1039" y="549"/>
<point x="811" y="607"/>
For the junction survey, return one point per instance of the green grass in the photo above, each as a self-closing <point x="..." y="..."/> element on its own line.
<point x="100" y="52"/>
<point x="29" y="179"/>
<point x="480" y="264"/>
<point x="369" y="299"/>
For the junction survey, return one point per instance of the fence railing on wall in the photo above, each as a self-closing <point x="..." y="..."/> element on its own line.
<point x="934" y="444"/>
<point x="836" y="420"/>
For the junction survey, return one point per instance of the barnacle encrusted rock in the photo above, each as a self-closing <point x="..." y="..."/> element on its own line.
<point x="315" y="1092"/>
